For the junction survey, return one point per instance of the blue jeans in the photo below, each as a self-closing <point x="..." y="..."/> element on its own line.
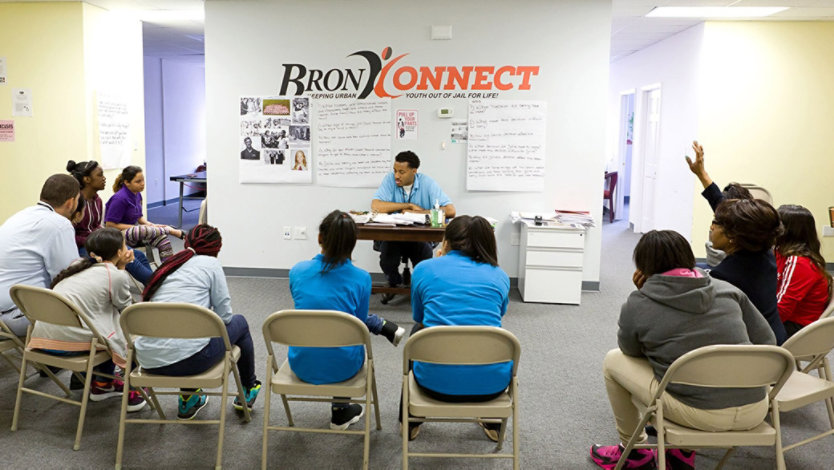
<point x="374" y="324"/>
<point x="206" y="358"/>
<point x="139" y="268"/>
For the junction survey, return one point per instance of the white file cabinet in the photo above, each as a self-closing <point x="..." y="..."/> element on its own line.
<point x="550" y="263"/>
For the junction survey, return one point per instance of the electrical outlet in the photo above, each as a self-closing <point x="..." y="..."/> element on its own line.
<point x="827" y="231"/>
<point x="515" y="238"/>
<point x="287" y="232"/>
<point x="300" y="232"/>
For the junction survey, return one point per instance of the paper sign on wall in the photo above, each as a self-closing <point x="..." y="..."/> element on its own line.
<point x="6" y="131"/>
<point x="113" y="131"/>
<point x="406" y="123"/>
<point x="22" y="102"/>
<point x="2" y="70"/>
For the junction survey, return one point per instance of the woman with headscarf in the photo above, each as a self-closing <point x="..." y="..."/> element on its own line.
<point x="194" y="275"/>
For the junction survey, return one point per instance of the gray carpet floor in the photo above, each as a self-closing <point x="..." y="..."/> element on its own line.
<point x="564" y="408"/>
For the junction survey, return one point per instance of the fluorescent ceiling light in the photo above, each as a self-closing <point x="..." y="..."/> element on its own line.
<point x="713" y="12"/>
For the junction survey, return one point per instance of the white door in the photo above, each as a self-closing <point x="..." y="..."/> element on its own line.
<point x="650" y="156"/>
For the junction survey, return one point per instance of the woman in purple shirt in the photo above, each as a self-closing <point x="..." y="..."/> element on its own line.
<point x="124" y="212"/>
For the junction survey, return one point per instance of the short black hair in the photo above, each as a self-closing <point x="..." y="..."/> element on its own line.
<point x="750" y="224"/>
<point x="474" y="237"/>
<point x="58" y="188"/>
<point x="409" y="157"/>
<point x="659" y="251"/>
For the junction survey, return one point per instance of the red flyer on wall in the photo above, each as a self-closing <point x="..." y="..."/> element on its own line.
<point x="6" y="131"/>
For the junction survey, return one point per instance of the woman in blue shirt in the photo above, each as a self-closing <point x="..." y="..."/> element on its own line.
<point x="464" y="286"/>
<point x="331" y="282"/>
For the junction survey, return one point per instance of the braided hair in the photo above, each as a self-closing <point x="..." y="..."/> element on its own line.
<point x="201" y="240"/>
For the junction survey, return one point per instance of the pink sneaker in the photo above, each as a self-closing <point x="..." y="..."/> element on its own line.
<point x="608" y="456"/>
<point x="104" y="389"/>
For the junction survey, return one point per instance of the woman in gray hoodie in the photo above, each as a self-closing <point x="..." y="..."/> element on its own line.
<point x="677" y="308"/>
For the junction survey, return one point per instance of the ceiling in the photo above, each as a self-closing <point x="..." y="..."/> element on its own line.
<point x="174" y="28"/>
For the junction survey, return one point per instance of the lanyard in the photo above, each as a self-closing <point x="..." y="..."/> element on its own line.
<point x="41" y="203"/>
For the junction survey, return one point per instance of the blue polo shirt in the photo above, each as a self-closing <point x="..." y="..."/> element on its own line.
<point x="424" y="192"/>
<point x="456" y="290"/>
<point x="345" y="288"/>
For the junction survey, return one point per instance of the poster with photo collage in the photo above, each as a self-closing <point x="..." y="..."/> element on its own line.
<point x="275" y="140"/>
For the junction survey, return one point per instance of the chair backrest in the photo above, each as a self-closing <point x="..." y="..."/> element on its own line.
<point x="171" y="320"/>
<point x="315" y="328"/>
<point x="39" y="304"/>
<point x="813" y="340"/>
<point x="48" y="306"/>
<point x="611" y="181"/>
<point x="462" y="345"/>
<point x="737" y="366"/>
<point x="759" y="192"/>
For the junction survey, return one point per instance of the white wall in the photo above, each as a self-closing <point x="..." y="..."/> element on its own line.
<point x="154" y="150"/>
<point x="247" y="41"/>
<point x="175" y="122"/>
<point x="674" y="64"/>
<point x="184" y="115"/>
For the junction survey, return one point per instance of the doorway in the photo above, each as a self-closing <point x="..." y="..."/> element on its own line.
<point x="646" y="159"/>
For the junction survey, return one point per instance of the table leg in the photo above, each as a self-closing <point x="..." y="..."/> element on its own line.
<point x="179" y="219"/>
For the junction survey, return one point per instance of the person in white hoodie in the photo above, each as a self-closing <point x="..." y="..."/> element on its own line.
<point x="677" y="308"/>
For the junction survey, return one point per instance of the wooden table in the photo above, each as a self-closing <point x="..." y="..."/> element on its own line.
<point x="399" y="233"/>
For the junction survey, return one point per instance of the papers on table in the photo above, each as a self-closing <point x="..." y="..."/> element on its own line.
<point x="408" y="218"/>
<point x="575" y="218"/>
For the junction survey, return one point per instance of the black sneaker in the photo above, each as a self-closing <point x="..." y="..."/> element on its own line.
<point x="75" y="382"/>
<point x="342" y="417"/>
<point x="387" y="298"/>
<point x="393" y="332"/>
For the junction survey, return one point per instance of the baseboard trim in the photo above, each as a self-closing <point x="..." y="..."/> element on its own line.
<point x="232" y="271"/>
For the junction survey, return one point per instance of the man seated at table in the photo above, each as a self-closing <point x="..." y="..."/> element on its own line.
<point x="405" y="190"/>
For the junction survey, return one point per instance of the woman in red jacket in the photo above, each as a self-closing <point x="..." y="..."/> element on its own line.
<point x="804" y="284"/>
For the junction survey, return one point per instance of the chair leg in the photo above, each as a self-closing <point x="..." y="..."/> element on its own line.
<point x="368" y="403"/>
<point x="515" y="425"/>
<point x="501" y="434"/>
<point x="122" y="417"/>
<point x="241" y="396"/>
<point x="780" y="455"/>
<point x="85" y="398"/>
<point x="156" y="404"/>
<point x="404" y="425"/>
<point x="223" y="404"/>
<point x="661" y="435"/>
<point x="267" y="401"/>
<point x="725" y="458"/>
<point x="287" y="410"/>
<point x="19" y="393"/>
<point x="375" y="402"/>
